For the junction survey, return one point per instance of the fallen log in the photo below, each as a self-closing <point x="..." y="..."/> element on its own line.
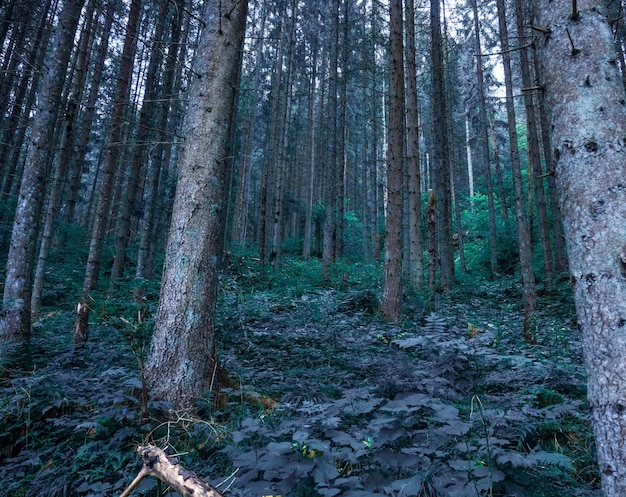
<point x="166" y="468"/>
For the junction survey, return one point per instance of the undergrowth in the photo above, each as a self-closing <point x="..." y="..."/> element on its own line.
<point x="449" y="402"/>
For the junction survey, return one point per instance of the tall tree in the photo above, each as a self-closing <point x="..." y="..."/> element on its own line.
<point x="441" y="152"/>
<point x="587" y="103"/>
<point x="15" y="317"/>
<point x="484" y="143"/>
<point x="144" y="140"/>
<point x="182" y="361"/>
<point x="330" y="187"/>
<point x="92" y="271"/>
<point x="535" y="168"/>
<point x="415" y="249"/>
<point x="391" y="305"/>
<point x="523" y="230"/>
<point x="62" y="163"/>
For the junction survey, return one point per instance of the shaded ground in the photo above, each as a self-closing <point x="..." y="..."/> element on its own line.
<point x="333" y="400"/>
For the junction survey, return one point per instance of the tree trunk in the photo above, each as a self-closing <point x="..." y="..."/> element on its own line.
<point x="415" y="249"/>
<point x="585" y="96"/>
<point x="281" y="148"/>
<point x="54" y="201"/>
<point x="523" y="232"/>
<point x="310" y="177"/>
<point x="15" y="317"/>
<point x="441" y="153"/>
<point x="86" y="122"/>
<point x="182" y="361"/>
<point x="391" y="304"/>
<point x="148" y="124"/>
<point x="68" y="138"/>
<point x="535" y="168"/>
<point x="92" y="271"/>
<point x="558" y="237"/>
<point x="484" y="145"/>
<point x="330" y="188"/>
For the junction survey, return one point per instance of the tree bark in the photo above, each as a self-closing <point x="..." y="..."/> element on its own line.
<point x="535" y="169"/>
<point x="415" y="249"/>
<point x="391" y="304"/>
<point x="585" y="96"/>
<point x="441" y="152"/>
<point x="330" y="188"/>
<point x="523" y="231"/>
<point x="484" y="144"/>
<point x="147" y="127"/>
<point x="15" y="317"/>
<point x="158" y="464"/>
<point x="92" y="271"/>
<point x="182" y="361"/>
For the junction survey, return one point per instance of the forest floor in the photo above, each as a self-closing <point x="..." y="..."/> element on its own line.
<point x="331" y="399"/>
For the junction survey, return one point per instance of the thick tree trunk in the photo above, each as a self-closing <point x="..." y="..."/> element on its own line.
<point x="182" y="361"/>
<point x="586" y="99"/>
<point x="391" y="304"/>
<point x="15" y="316"/>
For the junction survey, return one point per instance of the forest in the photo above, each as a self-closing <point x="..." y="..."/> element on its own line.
<point x="312" y="248"/>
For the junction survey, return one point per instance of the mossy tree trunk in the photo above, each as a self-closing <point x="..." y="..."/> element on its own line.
<point x="182" y="361"/>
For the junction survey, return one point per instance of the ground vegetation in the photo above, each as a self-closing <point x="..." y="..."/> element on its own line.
<point x="327" y="397"/>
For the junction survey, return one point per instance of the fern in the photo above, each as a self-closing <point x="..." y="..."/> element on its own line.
<point x="435" y="324"/>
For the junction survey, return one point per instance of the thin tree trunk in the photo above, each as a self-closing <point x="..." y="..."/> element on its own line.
<point x="88" y="116"/>
<point x="415" y="249"/>
<point x="281" y="147"/>
<point x="62" y="164"/>
<point x="92" y="271"/>
<point x="391" y="304"/>
<point x="496" y="162"/>
<point x="484" y="146"/>
<point x="558" y="236"/>
<point x="148" y="123"/>
<point x="15" y="318"/>
<point x="441" y="153"/>
<point x="523" y="232"/>
<point x="535" y="168"/>
<point x="160" y="153"/>
<point x="54" y="201"/>
<point x="330" y="195"/>
<point x="311" y="135"/>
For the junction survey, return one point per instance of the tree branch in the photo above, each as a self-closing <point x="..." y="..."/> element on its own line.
<point x="158" y="464"/>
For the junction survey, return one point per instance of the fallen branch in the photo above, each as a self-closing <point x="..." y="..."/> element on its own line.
<point x="158" y="464"/>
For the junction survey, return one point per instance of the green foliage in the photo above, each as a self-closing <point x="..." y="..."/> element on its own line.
<point x="476" y="242"/>
<point x="332" y="400"/>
